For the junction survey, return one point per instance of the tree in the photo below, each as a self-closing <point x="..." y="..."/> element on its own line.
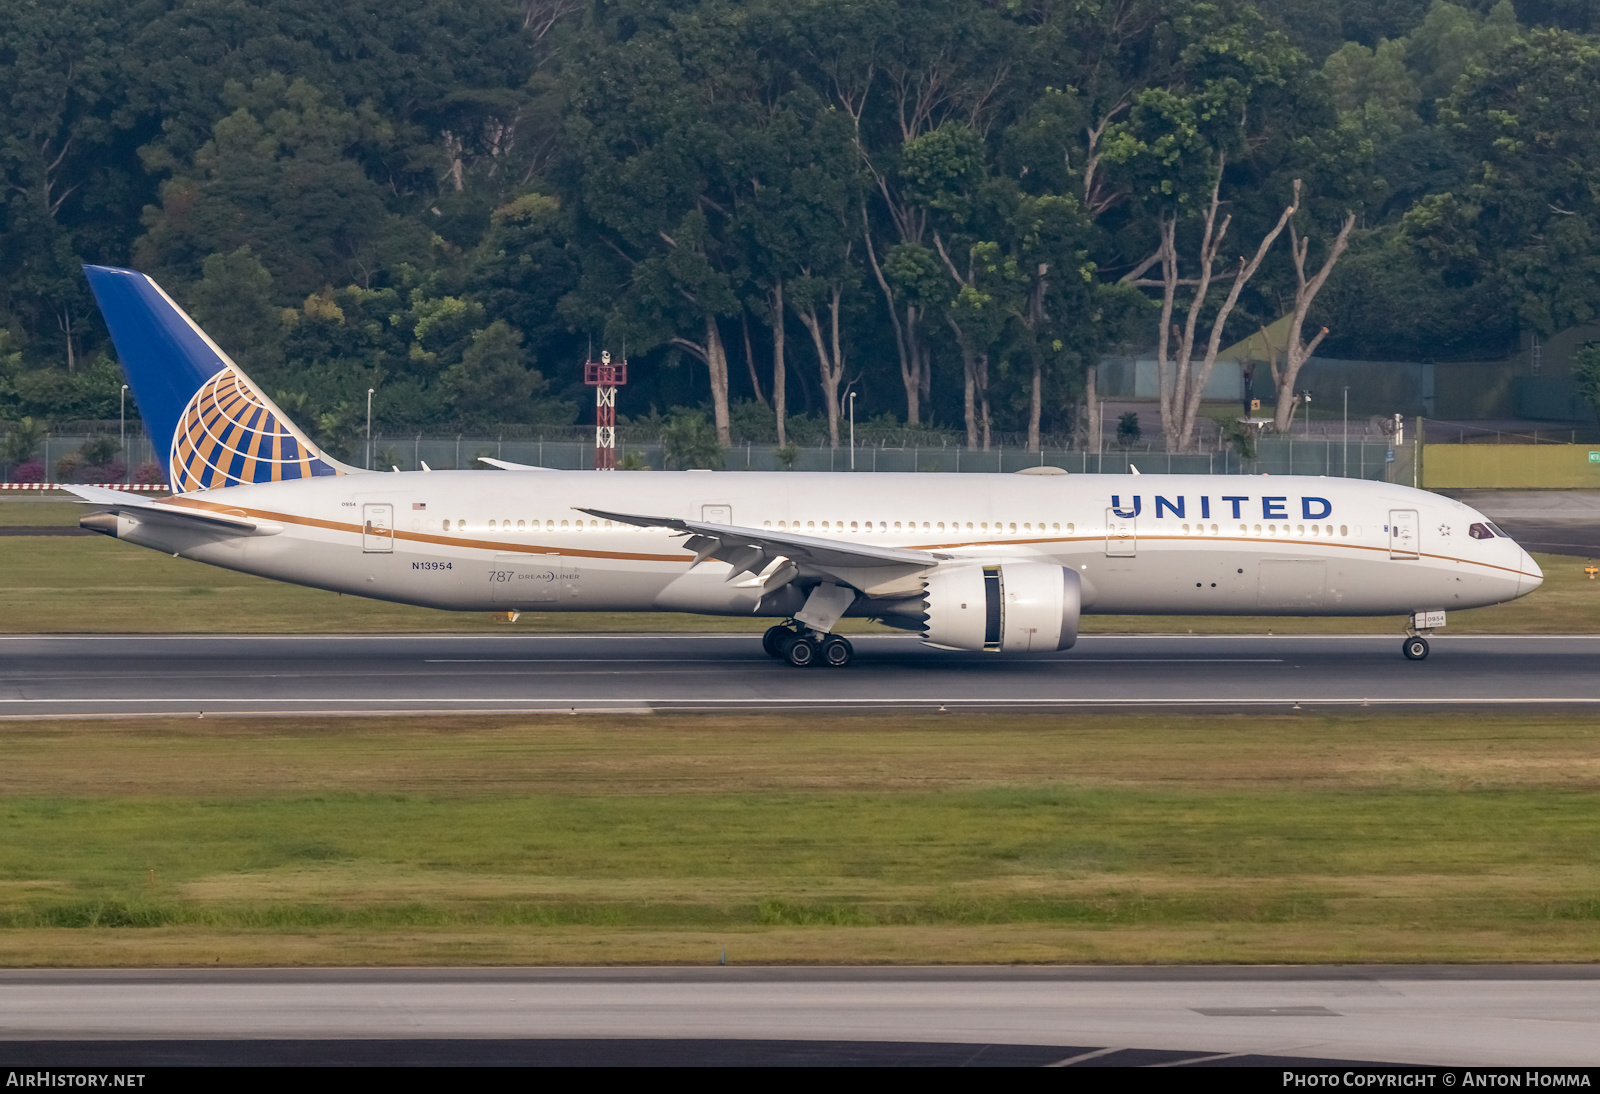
<point x="1586" y="371"/>
<point x="280" y="176"/>
<point x="688" y="443"/>
<point x="1299" y="351"/>
<point x="1527" y="221"/>
<point x="1233" y="83"/>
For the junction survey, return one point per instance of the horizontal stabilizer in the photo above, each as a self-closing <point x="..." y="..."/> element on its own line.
<point x="152" y="510"/>
<point x="507" y="465"/>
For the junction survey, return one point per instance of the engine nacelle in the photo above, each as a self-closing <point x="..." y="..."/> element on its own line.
<point x="1002" y="607"/>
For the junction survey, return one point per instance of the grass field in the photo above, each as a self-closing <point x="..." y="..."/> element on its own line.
<point x="599" y="839"/>
<point x="95" y="585"/>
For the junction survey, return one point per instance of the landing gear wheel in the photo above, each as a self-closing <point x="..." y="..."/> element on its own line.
<point x="1415" y="649"/>
<point x="772" y="641"/>
<point x="837" y="652"/>
<point x="801" y="651"/>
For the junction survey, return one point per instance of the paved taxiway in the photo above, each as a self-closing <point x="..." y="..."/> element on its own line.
<point x="1527" y="1016"/>
<point x="52" y="677"/>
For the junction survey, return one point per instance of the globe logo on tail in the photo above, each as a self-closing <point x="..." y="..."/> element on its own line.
<point x="229" y="435"/>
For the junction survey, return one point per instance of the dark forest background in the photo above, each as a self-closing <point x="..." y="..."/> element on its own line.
<point x="765" y="204"/>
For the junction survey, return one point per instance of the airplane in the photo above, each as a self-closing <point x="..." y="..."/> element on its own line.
<point x="1000" y="563"/>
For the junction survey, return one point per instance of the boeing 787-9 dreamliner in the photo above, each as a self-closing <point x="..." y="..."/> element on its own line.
<point x="1004" y="563"/>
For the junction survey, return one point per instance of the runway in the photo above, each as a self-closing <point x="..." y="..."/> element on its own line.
<point x="1447" y="1016"/>
<point x="147" y="675"/>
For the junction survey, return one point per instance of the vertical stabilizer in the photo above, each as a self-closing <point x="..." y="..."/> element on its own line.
<point x="210" y="425"/>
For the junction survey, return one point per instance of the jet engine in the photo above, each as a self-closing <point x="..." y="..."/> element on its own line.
<point x="1002" y="607"/>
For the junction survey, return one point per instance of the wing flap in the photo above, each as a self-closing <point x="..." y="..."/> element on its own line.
<point x="862" y="566"/>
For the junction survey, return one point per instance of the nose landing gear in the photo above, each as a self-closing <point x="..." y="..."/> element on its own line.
<point x="1419" y="628"/>
<point x="802" y="647"/>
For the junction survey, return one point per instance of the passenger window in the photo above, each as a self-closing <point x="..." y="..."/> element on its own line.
<point x="521" y="525"/>
<point x="1213" y="529"/>
<point x="1013" y="527"/>
<point x="810" y="525"/>
<point x="446" y="526"/>
<point x="1185" y="529"/>
<point x="1071" y="528"/>
<point x="1480" y="531"/>
<point x="563" y="525"/>
<point x="1299" y="529"/>
<point x="853" y="526"/>
<point x="1258" y="529"/>
<point x="896" y="526"/>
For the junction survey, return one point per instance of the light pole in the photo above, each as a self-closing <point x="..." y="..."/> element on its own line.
<point x="369" y="427"/>
<point x="1346" y="431"/>
<point x="852" y="431"/>
<point x="1306" y="395"/>
<point x="122" y="431"/>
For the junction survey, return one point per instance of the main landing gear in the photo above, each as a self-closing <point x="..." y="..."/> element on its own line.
<point x="803" y="647"/>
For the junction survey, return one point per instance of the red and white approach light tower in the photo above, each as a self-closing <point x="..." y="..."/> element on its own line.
<point x="605" y="378"/>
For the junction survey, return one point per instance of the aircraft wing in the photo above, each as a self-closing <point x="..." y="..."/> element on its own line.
<point x="872" y="569"/>
<point x="159" y="512"/>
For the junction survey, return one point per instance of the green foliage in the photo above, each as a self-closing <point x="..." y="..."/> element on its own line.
<point x="1128" y="433"/>
<point x="21" y="441"/>
<point x="1240" y="437"/>
<point x="1586" y="371"/>
<point x="451" y="203"/>
<point x="688" y="442"/>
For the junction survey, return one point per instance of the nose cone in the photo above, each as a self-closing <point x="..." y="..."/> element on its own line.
<point x="1531" y="577"/>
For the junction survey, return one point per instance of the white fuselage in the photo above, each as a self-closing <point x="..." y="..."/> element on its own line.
<point x="1167" y="544"/>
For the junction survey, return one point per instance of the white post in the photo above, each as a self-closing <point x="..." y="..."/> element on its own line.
<point x="369" y="427"/>
<point x="852" y="431"/>
<point x="1346" y="469"/>
<point x="122" y="431"/>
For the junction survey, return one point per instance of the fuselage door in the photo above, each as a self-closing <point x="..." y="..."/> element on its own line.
<point x="1404" y="534"/>
<point x="377" y="528"/>
<point x="1122" y="535"/>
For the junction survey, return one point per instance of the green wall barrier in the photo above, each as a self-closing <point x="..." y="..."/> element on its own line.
<point x="1512" y="466"/>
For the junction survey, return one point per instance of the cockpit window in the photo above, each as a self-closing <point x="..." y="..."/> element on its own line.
<point x="1482" y="531"/>
<point x="1495" y="528"/>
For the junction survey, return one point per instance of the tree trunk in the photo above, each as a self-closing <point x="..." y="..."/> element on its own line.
<point x="750" y="358"/>
<point x="905" y="337"/>
<point x="717" y="365"/>
<point x="830" y="358"/>
<point x="780" y="376"/>
<point x="1035" y="405"/>
<point x="1091" y="405"/>
<point x="983" y="396"/>
<point x="969" y="372"/>
<point x="1182" y="381"/>
<point x="1297" y="354"/>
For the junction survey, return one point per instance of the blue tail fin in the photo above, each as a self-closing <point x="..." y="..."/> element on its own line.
<point x="210" y="425"/>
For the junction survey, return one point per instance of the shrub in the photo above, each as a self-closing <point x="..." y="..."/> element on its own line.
<point x="1128" y="432"/>
<point x="150" y="474"/>
<point x="29" y="471"/>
